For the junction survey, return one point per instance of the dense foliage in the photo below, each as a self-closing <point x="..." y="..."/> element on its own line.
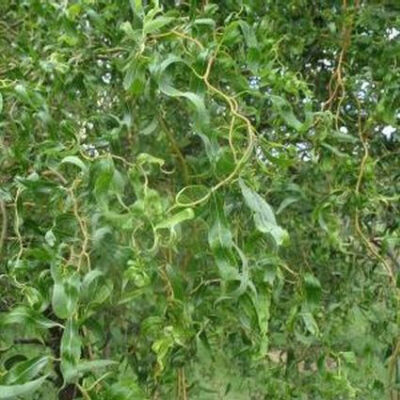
<point x="199" y="199"/>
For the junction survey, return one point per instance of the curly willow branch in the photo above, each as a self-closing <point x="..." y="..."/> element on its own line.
<point x="3" y="212"/>
<point x="367" y="242"/>
<point x="392" y="366"/>
<point x="83" y="228"/>
<point x="234" y="109"/>
<point x="339" y="90"/>
<point x="16" y="226"/>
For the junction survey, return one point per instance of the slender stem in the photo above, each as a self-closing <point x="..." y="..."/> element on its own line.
<point x="3" y="233"/>
<point x="175" y="148"/>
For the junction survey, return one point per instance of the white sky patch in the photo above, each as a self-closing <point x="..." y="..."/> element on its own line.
<point x="326" y="62"/>
<point x="302" y="146"/>
<point x="262" y="157"/>
<point x="361" y="95"/>
<point x="303" y="150"/>
<point x="364" y="88"/>
<point x="392" y="33"/>
<point x="365" y="85"/>
<point x="388" y="131"/>
<point x="91" y="150"/>
<point x="260" y="154"/>
<point x="275" y="152"/>
<point x="107" y="78"/>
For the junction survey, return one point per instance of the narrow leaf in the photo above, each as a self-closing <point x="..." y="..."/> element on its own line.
<point x="26" y="370"/>
<point x="12" y="391"/>
<point x="286" y="112"/>
<point x="26" y="316"/>
<point x="70" y="350"/>
<point x="176" y="219"/>
<point x="75" y="161"/>
<point x="264" y="217"/>
<point x="65" y="296"/>
<point x="158" y="23"/>
<point x="221" y="243"/>
<point x="84" y="366"/>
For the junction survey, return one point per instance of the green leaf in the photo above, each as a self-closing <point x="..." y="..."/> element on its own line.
<point x="194" y="98"/>
<point x="25" y="316"/>
<point x="262" y="302"/>
<point x="70" y="350"/>
<point x="310" y="323"/>
<point x="176" y="219"/>
<point x="27" y="370"/>
<point x="135" y="77"/>
<point x="349" y="357"/>
<point x="221" y="243"/>
<point x="89" y="278"/>
<point x="104" y="171"/>
<point x="132" y="34"/>
<point x="344" y="137"/>
<point x="244" y="276"/>
<point x="313" y="289"/>
<point x="101" y="292"/>
<point x="12" y="391"/>
<point x="150" y="128"/>
<point x="145" y="158"/>
<point x="137" y="7"/>
<point x="71" y="342"/>
<point x="167" y="88"/>
<point x="286" y="112"/>
<point x="286" y="203"/>
<point x="155" y="24"/>
<point x="75" y="161"/>
<point x="248" y="34"/>
<point x="264" y="217"/>
<point x="204" y="21"/>
<point x="65" y="295"/>
<point x="334" y="150"/>
<point x="219" y="236"/>
<point x="90" y="365"/>
<point x="126" y="388"/>
<point x="161" y="348"/>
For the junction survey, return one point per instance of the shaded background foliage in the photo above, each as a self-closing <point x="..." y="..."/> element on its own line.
<point x="199" y="199"/>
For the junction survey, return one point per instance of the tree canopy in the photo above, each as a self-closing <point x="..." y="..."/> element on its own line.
<point x="199" y="199"/>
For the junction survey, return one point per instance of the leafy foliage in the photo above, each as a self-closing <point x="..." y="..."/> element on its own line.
<point x="199" y="199"/>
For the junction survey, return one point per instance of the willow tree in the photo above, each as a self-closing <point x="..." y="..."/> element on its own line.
<point x="199" y="200"/>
